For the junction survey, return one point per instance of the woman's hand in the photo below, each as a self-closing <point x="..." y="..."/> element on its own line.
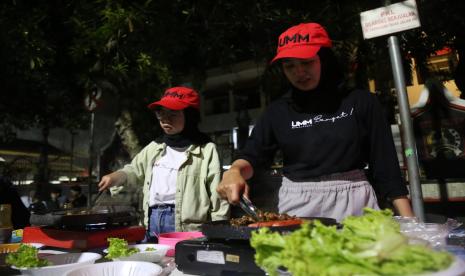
<point x="113" y="179"/>
<point x="403" y="207"/>
<point x="234" y="184"/>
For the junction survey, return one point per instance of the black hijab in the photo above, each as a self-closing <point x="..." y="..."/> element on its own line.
<point x="190" y="135"/>
<point x="327" y="96"/>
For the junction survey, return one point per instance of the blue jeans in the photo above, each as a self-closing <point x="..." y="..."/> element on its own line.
<point x="161" y="220"/>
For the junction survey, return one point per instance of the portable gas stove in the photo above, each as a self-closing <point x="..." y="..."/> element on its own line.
<point x="80" y="239"/>
<point x="84" y="228"/>
<point x="225" y="249"/>
<point x="202" y="256"/>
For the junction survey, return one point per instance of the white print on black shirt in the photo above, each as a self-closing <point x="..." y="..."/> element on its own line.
<point x="320" y="119"/>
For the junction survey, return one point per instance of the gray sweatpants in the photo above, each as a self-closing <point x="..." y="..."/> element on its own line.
<point x="334" y="196"/>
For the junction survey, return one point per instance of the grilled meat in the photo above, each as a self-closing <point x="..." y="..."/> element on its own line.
<point x="263" y="216"/>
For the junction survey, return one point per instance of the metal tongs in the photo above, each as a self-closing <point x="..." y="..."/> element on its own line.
<point x="249" y="208"/>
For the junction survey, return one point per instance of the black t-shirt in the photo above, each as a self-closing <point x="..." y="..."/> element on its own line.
<point x="352" y="135"/>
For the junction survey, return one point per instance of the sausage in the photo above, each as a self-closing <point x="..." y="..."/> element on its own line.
<point x="277" y="223"/>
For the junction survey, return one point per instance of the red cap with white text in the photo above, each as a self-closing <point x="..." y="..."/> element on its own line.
<point x="178" y="98"/>
<point x="302" y="41"/>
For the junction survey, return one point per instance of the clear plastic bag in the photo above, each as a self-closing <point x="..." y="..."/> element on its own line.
<point x="435" y="234"/>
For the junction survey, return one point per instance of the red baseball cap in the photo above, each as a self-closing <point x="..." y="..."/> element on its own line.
<point x="178" y="98"/>
<point x="302" y="41"/>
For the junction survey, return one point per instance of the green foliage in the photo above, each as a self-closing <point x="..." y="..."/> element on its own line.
<point x="39" y="85"/>
<point x="53" y="52"/>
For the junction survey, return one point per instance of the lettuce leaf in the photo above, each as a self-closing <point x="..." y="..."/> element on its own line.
<point x="367" y="245"/>
<point x="268" y="246"/>
<point x="119" y="248"/>
<point x="26" y="257"/>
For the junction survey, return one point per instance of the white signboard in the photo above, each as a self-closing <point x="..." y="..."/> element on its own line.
<point x="390" y="19"/>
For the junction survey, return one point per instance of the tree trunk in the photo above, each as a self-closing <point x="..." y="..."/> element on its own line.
<point x="128" y="136"/>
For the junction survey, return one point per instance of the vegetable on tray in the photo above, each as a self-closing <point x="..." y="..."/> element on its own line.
<point x="119" y="248"/>
<point x="26" y="257"/>
<point x="366" y="245"/>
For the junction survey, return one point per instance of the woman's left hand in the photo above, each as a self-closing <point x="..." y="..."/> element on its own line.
<point x="403" y="207"/>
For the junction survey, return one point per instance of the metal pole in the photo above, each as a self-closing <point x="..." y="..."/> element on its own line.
<point x="91" y="148"/>
<point x="407" y="129"/>
<point x="71" y="159"/>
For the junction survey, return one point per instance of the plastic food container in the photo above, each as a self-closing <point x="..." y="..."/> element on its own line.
<point x="62" y="263"/>
<point x="13" y="247"/>
<point x="130" y="268"/>
<point x="173" y="238"/>
<point x="144" y="255"/>
<point x="9" y="247"/>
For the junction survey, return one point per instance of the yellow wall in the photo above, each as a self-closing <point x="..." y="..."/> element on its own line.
<point x="415" y="90"/>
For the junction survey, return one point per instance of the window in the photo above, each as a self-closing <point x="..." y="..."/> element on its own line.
<point x="247" y="96"/>
<point x="224" y="146"/>
<point x="216" y="101"/>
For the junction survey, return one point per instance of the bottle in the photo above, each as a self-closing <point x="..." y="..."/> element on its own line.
<point x="5" y="216"/>
<point x="6" y="226"/>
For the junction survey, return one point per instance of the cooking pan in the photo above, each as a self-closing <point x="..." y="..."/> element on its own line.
<point x="85" y="217"/>
<point x="222" y="229"/>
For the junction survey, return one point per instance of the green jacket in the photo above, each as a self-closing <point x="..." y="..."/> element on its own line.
<point x="196" y="198"/>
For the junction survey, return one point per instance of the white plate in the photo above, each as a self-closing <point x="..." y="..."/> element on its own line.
<point x="457" y="268"/>
<point x="130" y="268"/>
<point x="61" y="264"/>
<point x="35" y="244"/>
<point x="143" y="255"/>
<point x="46" y="252"/>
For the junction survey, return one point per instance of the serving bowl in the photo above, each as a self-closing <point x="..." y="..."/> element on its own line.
<point x="145" y="255"/>
<point x="61" y="263"/>
<point x="119" y="268"/>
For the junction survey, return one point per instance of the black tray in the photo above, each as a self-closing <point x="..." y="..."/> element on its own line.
<point x="222" y="229"/>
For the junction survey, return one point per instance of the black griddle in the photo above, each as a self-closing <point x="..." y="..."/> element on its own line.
<point x="87" y="218"/>
<point x="222" y="229"/>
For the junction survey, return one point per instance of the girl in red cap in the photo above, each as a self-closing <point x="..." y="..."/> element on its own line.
<point x="179" y="171"/>
<point x="327" y="133"/>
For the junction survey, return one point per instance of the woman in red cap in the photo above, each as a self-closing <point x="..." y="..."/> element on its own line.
<point x="179" y="171"/>
<point x="327" y="134"/>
